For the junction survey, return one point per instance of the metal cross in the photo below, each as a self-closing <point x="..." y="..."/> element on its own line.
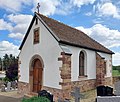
<point x="38" y="6"/>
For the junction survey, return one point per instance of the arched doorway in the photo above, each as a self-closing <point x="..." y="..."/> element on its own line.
<point x="37" y="75"/>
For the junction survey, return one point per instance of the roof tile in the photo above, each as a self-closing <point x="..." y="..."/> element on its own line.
<point x="73" y="36"/>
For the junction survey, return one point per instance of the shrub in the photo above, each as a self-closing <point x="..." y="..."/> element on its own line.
<point x="36" y="99"/>
<point x="6" y="79"/>
<point x="12" y="72"/>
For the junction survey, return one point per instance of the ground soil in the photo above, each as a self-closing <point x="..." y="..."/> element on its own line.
<point x="88" y="96"/>
<point x="13" y="96"/>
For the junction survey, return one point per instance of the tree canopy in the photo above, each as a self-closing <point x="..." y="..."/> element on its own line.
<point x="9" y="64"/>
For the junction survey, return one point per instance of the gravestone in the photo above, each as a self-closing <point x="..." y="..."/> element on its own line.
<point x="76" y="94"/>
<point x="3" y="88"/>
<point x="104" y="91"/>
<point x="8" y="86"/>
<point x="14" y="84"/>
<point x="44" y="93"/>
<point x="101" y="91"/>
<point x="109" y="91"/>
<point x="117" y="88"/>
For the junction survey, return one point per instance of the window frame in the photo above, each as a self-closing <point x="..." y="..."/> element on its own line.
<point x="36" y="36"/>
<point x="36" y="21"/>
<point x="81" y="64"/>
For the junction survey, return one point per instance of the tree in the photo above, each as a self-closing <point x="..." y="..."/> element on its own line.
<point x="10" y="64"/>
<point x="12" y="72"/>
<point x="12" y="69"/>
<point x="0" y="63"/>
<point x="6" y="62"/>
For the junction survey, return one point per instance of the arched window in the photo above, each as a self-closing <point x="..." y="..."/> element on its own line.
<point x="81" y="64"/>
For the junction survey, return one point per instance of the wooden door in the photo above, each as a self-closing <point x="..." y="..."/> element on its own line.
<point x="37" y="76"/>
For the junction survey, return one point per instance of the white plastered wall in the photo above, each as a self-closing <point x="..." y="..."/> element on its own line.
<point x="90" y="67"/>
<point x="108" y="59"/>
<point x="49" y="50"/>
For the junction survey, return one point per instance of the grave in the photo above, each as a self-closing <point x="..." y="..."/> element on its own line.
<point x="104" y="91"/>
<point x="108" y="99"/>
<point x="3" y="88"/>
<point x="46" y="94"/>
<point x="76" y="94"/>
<point x="14" y="84"/>
<point x="8" y="86"/>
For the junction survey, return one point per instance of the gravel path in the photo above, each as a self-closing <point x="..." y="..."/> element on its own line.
<point x="9" y="99"/>
<point x="11" y="96"/>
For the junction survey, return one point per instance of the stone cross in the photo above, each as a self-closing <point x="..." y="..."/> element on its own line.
<point x="76" y="94"/>
<point x="38" y="7"/>
<point x="117" y="88"/>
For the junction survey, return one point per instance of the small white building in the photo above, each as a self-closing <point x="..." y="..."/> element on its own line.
<point x="55" y="57"/>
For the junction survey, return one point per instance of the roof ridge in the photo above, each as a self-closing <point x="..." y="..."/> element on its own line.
<point x="61" y="23"/>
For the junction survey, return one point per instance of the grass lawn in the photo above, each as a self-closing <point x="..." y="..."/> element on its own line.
<point x="115" y="73"/>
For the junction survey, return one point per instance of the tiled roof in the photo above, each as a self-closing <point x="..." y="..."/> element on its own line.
<point x="71" y="36"/>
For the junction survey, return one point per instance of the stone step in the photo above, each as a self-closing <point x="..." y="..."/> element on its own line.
<point x="31" y="94"/>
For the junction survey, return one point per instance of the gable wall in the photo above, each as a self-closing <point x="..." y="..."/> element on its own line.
<point x="49" y="50"/>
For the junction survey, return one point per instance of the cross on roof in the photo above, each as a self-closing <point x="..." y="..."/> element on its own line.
<point x="38" y="6"/>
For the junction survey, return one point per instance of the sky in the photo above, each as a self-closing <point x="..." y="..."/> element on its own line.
<point x="100" y="19"/>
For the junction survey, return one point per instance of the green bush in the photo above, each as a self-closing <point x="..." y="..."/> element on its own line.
<point x="6" y="79"/>
<point x="36" y="99"/>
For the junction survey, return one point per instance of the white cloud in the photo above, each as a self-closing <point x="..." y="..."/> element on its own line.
<point x="17" y="26"/>
<point x="9" y="48"/>
<point x="88" y="13"/>
<point x="64" y="7"/>
<point x="79" y="3"/>
<point x="16" y="35"/>
<point x="104" y="35"/>
<point x="108" y="9"/>
<point x="14" y="6"/>
<point x="116" y="58"/>
<point x="21" y="23"/>
<point x="5" y="25"/>
<point x="47" y="7"/>
<point x="20" y="18"/>
<point x="50" y="7"/>
<point x="21" y="28"/>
